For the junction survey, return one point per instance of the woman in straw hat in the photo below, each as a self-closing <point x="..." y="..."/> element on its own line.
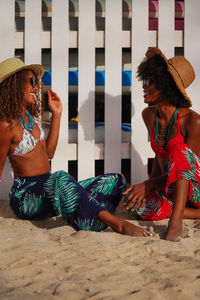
<point x="173" y="189"/>
<point x="36" y="192"/>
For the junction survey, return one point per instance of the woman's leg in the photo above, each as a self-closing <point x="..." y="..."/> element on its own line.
<point x="48" y="195"/>
<point x="82" y="210"/>
<point x="181" y="190"/>
<point x="106" y="189"/>
<point x="184" y="172"/>
<point x="29" y="200"/>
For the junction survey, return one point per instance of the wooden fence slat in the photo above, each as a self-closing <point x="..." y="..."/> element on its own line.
<point x="86" y="89"/>
<point x="139" y="153"/>
<point x="166" y="27"/>
<point x="32" y="45"/>
<point x="192" y="47"/>
<point x="60" y="66"/>
<point x="7" y="26"/>
<point x="7" y="12"/>
<point x="113" y="85"/>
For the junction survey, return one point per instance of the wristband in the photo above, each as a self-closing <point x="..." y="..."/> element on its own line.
<point x="0" y="180"/>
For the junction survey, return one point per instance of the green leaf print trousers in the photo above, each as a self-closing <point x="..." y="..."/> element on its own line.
<point x="79" y="203"/>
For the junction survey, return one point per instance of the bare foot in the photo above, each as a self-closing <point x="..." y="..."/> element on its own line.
<point x="174" y="230"/>
<point x="122" y="226"/>
<point x="133" y="230"/>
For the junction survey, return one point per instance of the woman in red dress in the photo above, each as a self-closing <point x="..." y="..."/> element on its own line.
<point x="173" y="189"/>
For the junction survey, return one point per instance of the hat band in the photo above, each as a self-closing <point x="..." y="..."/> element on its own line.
<point x="170" y="63"/>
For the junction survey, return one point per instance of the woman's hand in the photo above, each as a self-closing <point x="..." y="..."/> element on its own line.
<point x="54" y="103"/>
<point x="135" y="196"/>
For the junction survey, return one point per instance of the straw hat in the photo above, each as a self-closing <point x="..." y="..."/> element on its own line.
<point x="12" y="65"/>
<point x="179" y="67"/>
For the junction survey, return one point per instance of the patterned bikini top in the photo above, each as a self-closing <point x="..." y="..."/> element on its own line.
<point x="28" y="142"/>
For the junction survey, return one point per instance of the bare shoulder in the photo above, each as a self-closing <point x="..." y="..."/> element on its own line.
<point x="194" y="117"/>
<point x="148" y="115"/>
<point x="190" y="127"/>
<point x="6" y="129"/>
<point x="190" y="120"/>
<point x="149" y="111"/>
<point x="4" y="125"/>
<point x="193" y="125"/>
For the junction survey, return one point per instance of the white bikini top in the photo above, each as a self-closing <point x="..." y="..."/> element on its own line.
<point x="28" y="142"/>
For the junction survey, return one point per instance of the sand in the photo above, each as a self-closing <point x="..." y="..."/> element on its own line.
<point x="50" y="260"/>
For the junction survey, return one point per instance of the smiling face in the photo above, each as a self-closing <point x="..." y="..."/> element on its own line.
<point x="29" y="89"/>
<point x="151" y="94"/>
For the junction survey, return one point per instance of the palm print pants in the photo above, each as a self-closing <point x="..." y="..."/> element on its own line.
<point x="183" y="163"/>
<point x="58" y="193"/>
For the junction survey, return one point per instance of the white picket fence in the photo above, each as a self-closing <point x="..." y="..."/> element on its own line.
<point x="86" y="39"/>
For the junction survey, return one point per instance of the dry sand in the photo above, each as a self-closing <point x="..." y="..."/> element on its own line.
<point x="50" y="260"/>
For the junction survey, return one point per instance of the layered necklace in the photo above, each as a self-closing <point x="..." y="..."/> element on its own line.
<point x="29" y="126"/>
<point x="163" y="134"/>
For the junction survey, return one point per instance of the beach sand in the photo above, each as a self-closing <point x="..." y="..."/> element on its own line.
<point x="50" y="260"/>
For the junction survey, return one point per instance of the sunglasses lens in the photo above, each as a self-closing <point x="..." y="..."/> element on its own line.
<point x="33" y="81"/>
<point x="147" y="82"/>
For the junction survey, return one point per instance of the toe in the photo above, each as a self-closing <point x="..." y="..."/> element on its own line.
<point x="151" y="231"/>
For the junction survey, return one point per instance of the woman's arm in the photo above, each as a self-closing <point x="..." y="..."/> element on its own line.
<point x="5" y="142"/>
<point x="137" y="194"/>
<point x="55" y="106"/>
<point x="192" y="129"/>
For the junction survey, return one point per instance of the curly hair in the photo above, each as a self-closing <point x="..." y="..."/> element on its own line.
<point x="11" y="97"/>
<point x="155" y="70"/>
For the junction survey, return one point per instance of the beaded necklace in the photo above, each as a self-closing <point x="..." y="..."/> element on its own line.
<point x="29" y="126"/>
<point x="169" y="131"/>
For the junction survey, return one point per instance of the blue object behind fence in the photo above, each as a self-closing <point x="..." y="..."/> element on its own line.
<point x="99" y="78"/>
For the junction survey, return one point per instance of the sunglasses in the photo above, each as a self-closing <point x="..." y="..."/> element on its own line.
<point x="33" y="81"/>
<point x="147" y="82"/>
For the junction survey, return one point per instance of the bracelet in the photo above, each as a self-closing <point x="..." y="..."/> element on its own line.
<point x="0" y="180"/>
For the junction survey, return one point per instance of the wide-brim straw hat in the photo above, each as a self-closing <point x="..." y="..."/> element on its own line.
<point x="180" y="69"/>
<point x="12" y="65"/>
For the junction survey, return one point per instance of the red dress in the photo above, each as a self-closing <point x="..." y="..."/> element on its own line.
<point x="183" y="163"/>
